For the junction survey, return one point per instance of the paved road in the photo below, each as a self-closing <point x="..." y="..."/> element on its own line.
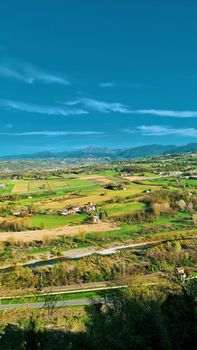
<point x="41" y="305"/>
<point x="76" y="302"/>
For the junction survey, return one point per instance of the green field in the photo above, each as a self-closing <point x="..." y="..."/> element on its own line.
<point x="122" y="208"/>
<point x="53" y="298"/>
<point x="173" y="182"/>
<point x="8" y="189"/>
<point x="52" y="221"/>
<point x="50" y="184"/>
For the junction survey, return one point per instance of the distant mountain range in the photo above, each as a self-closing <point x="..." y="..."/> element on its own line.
<point x="112" y="154"/>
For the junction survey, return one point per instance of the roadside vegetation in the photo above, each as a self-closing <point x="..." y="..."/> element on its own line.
<point x="160" y="317"/>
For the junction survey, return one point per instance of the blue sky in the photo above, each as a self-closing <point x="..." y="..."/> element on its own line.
<point x="114" y="73"/>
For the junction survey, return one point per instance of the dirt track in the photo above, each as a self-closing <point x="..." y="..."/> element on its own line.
<point x="39" y="235"/>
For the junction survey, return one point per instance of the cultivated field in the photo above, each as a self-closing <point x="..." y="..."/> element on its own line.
<point x="95" y="205"/>
<point x="39" y="235"/>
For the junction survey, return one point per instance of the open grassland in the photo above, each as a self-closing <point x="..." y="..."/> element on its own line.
<point x="173" y="182"/>
<point x="122" y="208"/>
<point x="8" y="189"/>
<point x="51" y="221"/>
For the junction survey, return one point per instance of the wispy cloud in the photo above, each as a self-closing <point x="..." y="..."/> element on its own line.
<point x="52" y="133"/>
<point x="166" y="113"/>
<point x="117" y="107"/>
<point x="127" y="85"/>
<point x="28" y="73"/>
<point x="41" y="109"/>
<point x="159" y="130"/>
<point x="100" y="106"/>
<point x="107" y="84"/>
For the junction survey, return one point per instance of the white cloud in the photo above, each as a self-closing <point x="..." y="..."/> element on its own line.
<point x="158" y="130"/>
<point x="23" y="71"/>
<point x="100" y="106"/>
<point x="51" y="133"/>
<point x="9" y="126"/>
<point x="107" y="84"/>
<point x="40" y="109"/>
<point x="166" y="113"/>
<point x="117" y="107"/>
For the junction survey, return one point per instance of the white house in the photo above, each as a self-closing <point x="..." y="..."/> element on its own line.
<point x="96" y="219"/>
<point x="89" y="208"/>
<point x="63" y="212"/>
<point x="3" y="185"/>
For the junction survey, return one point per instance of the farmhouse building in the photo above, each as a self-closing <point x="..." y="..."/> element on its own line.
<point x="89" y="208"/>
<point x="96" y="219"/>
<point x="3" y="185"/>
<point x="71" y="211"/>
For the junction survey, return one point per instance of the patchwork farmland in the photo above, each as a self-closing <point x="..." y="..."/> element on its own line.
<point x="95" y="226"/>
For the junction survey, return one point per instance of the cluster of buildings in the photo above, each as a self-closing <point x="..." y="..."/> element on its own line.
<point x="87" y="209"/>
<point x="71" y="211"/>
